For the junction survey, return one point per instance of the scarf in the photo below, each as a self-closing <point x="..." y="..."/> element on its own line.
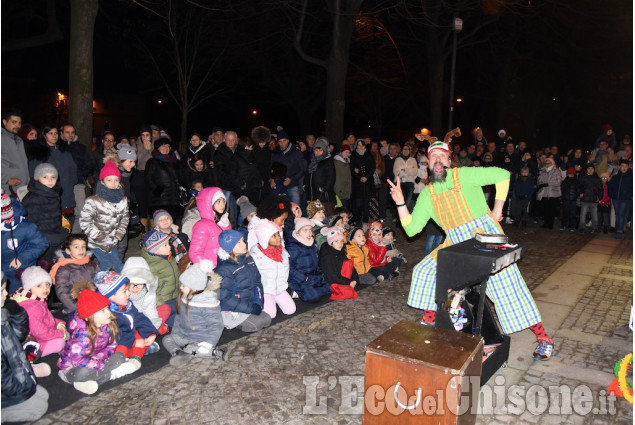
<point x="170" y="157"/>
<point x="116" y="308"/>
<point x="140" y="295"/>
<point x="275" y="253"/>
<point x="342" y="159"/>
<point x="196" y="150"/>
<point x="21" y="295"/>
<point x="110" y="195"/>
<point x="303" y="241"/>
<point x="62" y="261"/>
<point x="224" y="220"/>
<point x="314" y="161"/>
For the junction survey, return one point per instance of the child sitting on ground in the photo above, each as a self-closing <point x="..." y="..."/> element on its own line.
<point x="316" y="212"/>
<point x="137" y="334"/>
<point x="289" y="223"/>
<point x="158" y="255"/>
<point x="241" y="292"/>
<point x="89" y="358"/>
<point x="388" y="240"/>
<point x="247" y="212"/>
<point x="105" y="217"/>
<point x="199" y="324"/>
<point x="305" y="275"/>
<point x="357" y="250"/>
<point x="22" y="399"/>
<point x="338" y="269"/>
<point x="381" y="264"/>
<point x="274" y="209"/>
<point x="73" y="264"/>
<point x="46" y="330"/>
<point x="164" y="223"/>
<point x="346" y="216"/>
<point x="191" y="215"/>
<point x="212" y="206"/>
<point x="272" y="261"/>
<point x="143" y="291"/>
<point x="42" y="205"/>
<point x="22" y="241"/>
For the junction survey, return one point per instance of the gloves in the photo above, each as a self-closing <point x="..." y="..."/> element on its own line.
<point x="540" y="186"/>
<point x="417" y="180"/>
<point x="256" y="309"/>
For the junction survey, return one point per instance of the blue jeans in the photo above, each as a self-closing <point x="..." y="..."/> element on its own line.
<point x="622" y="208"/>
<point x="172" y="304"/>
<point x="294" y="194"/>
<point x="592" y="207"/>
<point x="108" y="260"/>
<point x="432" y="241"/>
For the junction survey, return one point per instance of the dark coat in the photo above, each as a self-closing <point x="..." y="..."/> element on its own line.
<point x="331" y="261"/>
<point x="241" y="290"/>
<point x="305" y="275"/>
<point x="262" y="158"/>
<point x="125" y="321"/>
<point x="206" y="176"/>
<point x="293" y="159"/>
<point x="569" y="189"/>
<point x="61" y="158"/>
<point x="162" y="182"/>
<point x="365" y="165"/>
<point x="319" y="185"/>
<point x="621" y="186"/>
<point x="81" y="156"/>
<point x="42" y="206"/>
<point x="590" y="186"/>
<point x="523" y="189"/>
<point x="18" y="380"/>
<point x="222" y="165"/>
<point x="68" y="275"/>
<point x="203" y="151"/>
<point x="244" y="174"/>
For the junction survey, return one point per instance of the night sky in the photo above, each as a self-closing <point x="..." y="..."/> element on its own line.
<point x="550" y="74"/>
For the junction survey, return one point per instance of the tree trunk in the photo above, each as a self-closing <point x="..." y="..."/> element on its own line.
<point x="83" y="14"/>
<point x="183" y="139"/>
<point x="336" y="98"/>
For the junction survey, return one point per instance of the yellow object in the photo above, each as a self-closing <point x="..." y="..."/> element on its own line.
<point x="621" y="378"/>
<point x="66" y="224"/>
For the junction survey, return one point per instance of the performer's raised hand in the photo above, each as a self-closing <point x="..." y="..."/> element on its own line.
<point x="395" y="191"/>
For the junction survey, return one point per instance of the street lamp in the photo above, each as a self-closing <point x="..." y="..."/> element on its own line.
<point x="457" y="26"/>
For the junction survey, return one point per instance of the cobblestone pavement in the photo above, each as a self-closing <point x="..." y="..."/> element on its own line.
<point x="264" y="379"/>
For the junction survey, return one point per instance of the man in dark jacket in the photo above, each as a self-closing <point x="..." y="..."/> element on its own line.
<point x="320" y="177"/>
<point x="621" y="193"/>
<point x="591" y="191"/>
<point x="222" y="164"/>
<point x="22" y="399"/>
<point x="287" y="154"/>
<point x="570" y="194"/>
<point x="84" y="165"/>
<point x="362" y="170"/>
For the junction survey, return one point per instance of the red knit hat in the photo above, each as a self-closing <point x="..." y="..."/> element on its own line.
<point x="571" y="170"/>
<point x="90" y="302"/>
<point x="345" y="148"/>
<point x="110" y="169"/>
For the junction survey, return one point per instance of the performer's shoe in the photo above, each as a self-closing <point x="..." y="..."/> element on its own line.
<point x="423" y="321"/>
<point x="544" y="349"/>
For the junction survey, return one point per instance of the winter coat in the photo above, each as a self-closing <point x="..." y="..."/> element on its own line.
<point x="205" y="176"/>
<point x="389" y="163"/>
<point x="205" y="233"/>
<point x="129" y="320"/>
<point x="190" y="218"/>
<point x="202" y="321"/>
<point x="75" y="352"/>
<point x="293" y="159"/>
<point x="18" y="380"/>
<point x="553" y="179"/>
<point x="14" y="160"/>
<point x="243" y="173"/>
<point x="365" y="166"/>
<point x="222" y="165"/>
<point x="305" y="275"/>
<point x="331" y="261"/>
<point x="273" y="275"/>
<point x="422" y="175"/>
<point x="146" y="300"/>
<point x="105" y="223"/>
<point x="143" y="155"/>
<point x="342" y="186"/>
<point x="66" y="272"/>
<point x="59" y="156"/>
<point x="405" y="169"/>
<point x="42" y="324"/>
<point x="203" y="151"/>
<point x="620" y="187"/>
<point x="524" y="189"/>
<point x="42" y="206"/>
<point x="20" y="238"/>
<point x="241" y="290"/>
<point x="590" y="187"/>
<point x="376" y="253"/>
<point x="82" y="159"/>
<point x="359" y="255"/>
<point x="319" y="185"/>
<point x="161" y="179"/>
<point x="262" y="160"/>
<point x="167" y="272"/>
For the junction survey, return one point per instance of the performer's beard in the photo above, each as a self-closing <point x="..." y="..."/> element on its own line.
<point x="438" y="176"/>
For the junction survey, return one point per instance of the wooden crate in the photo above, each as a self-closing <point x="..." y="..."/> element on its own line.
<point x="426" y="370"/>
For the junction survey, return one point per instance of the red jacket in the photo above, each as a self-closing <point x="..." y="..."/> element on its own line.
<point x="376" y="253"/>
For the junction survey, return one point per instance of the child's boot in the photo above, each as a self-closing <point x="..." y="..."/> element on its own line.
<point x="86" y="387"/>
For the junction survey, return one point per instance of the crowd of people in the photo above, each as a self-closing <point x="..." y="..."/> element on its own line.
<point x="263" y="222"/>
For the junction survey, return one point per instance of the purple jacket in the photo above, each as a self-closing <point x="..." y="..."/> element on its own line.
<point x="42" y="324"/>
<point x="75" y="352"/>
<point x="205" y="233"/>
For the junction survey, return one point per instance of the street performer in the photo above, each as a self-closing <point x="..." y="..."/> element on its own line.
<point x="455" y="200"/>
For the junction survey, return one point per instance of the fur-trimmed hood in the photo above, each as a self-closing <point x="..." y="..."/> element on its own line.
<point x="137" y="269"/>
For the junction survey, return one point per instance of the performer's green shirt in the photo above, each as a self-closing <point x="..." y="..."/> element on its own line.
<point x="472" y="180"/>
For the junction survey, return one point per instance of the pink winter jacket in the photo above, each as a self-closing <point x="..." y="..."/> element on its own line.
<point x="42" y="324"/>
<point x="205" y="233"/>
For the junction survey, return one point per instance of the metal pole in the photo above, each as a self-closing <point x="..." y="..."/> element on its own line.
<point x="452" y="81"/>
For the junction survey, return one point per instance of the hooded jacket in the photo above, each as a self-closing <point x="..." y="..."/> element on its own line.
<point x="42" y="206"/>
<point x="146" y="300"/>
<point x="274" y="275"/>
<point x="359" y="255"/>
<point x="342" y="186"/>
<point x="305" y="275"/>
<point x="75" y="352"/>
<point x="365" y="166"/>
<point x="205" y="233"/>
<point x="66" y="272"/>
<point x="167" y="272"/>
<point x="42" y="324"/>
<point x="61" y="158"/>
<point x="241" y="289"/>
<point x="319" y="184"/>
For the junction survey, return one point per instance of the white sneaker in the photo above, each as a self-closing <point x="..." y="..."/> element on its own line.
<point x="122" y="370"/>
<point x="508" y="220"/>
<point x="134" y="361"/>
<point x="41" y="370"/>
<point x="380" y="278"/>
<point x="86" y="387"/>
